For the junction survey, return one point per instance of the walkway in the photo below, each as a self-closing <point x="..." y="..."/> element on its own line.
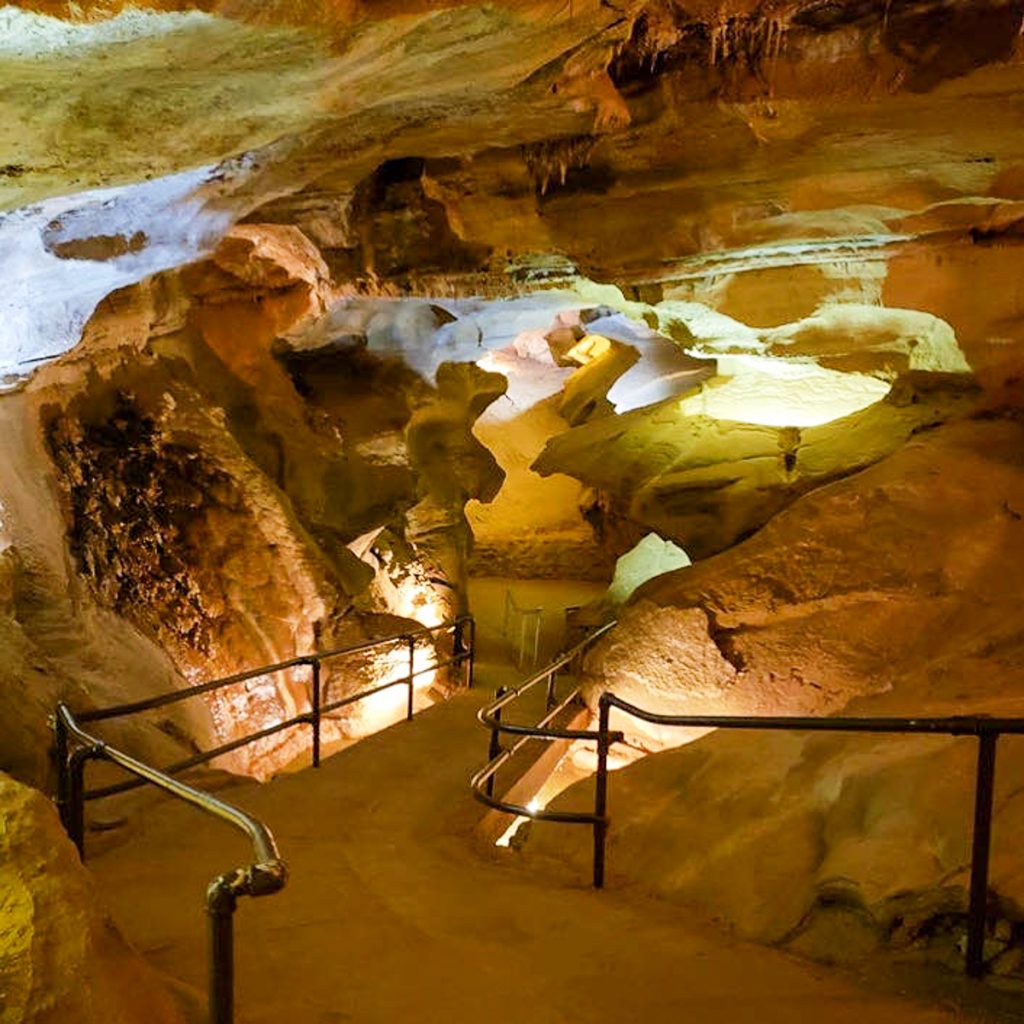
<point x="395" y="912"/>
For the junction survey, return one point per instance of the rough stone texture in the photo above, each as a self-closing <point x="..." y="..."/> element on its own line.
<point x="57" y="643"/>
<point x="534" y="528"/>
<point x="884" y="594"/>
<point x="815" y="170"/>
<point x="804" y="614"/>
<point x="61" y="957"/>
<point x="26" y="691"/>
<point x="762" y="156"/>
<point x="225" y="496"/>
<point x="707" y="483"/>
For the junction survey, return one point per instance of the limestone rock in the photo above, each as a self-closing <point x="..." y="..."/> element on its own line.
<point x="61" y="957"/>
<point x="586" y="390"/>
<point x="211" y="492"/>
<point x="534" y="527"/>
<point x="262" y="258"/>
<point x="810" y="580"/>
<point x="651" y="557"/>
<point x="505" y="144"/>
<point x="10" y="567"/>
<point x="28" y="694"/>
<point x="705" y="483"/>
<point x="883" y="594"/>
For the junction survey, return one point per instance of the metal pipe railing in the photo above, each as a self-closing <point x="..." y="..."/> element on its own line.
<point x="265" y="875"/>
<point x="483" y="781"/>
<point x="986" y="728"/>
<point x="75" y="748"/>
<point x="458" y="626"/>
<point x="463" y="631"/>
<point x="525" y="618"/>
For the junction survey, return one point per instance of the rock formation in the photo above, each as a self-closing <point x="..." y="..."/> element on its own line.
<point x="61" y="957"/>
<point x="883" y="594"/>
<point x="240" y="501"/>
<point x="301" y="299"/>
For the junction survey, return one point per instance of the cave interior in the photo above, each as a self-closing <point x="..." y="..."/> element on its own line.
<point x="368" y="366"/>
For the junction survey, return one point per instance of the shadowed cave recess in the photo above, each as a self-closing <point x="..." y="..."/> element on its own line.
<point x="324" y="323"/>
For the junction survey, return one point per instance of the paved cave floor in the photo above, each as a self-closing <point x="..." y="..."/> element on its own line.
<point x="396" y="911"/>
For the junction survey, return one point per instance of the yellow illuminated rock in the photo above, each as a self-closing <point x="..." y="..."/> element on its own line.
<point x="61" y="957"/>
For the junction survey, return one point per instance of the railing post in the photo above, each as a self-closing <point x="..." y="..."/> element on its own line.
<point x="220" y="909"/>
<point x="60" y="754"/>
<point x="412" y="677"/>
<point x="471" y="673"/>
<point x="981" y="843"/>
<point x="551" y="691"/>
<point x="495" y="745"/>
<point x="315" y="666"/>
<point x="76" y="798"/>
<point x="463" y="649"/>
<point x="601" y="790"/>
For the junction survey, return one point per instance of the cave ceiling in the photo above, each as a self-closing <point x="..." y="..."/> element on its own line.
<point x="445" y="148"/>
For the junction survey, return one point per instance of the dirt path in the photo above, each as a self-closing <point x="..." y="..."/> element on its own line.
<point x="395" y="912"/>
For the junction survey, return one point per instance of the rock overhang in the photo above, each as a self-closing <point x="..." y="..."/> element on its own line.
<point x="682" y="150"/>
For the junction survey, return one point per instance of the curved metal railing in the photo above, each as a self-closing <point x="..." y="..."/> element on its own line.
<point x="987" y="729"/>
<point x="74" y="748"/>
<point x="265" y="875"/>
<point x="491" y="716"/>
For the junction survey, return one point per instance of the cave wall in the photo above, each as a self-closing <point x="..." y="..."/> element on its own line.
<point x="61" y="956"/>
<point x="235" y="504"/>
<point x="884" y="594"/>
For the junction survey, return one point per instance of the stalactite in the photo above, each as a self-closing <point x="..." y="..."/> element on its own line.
<point x="753" y="41"/>
<point x="555" y="158"/>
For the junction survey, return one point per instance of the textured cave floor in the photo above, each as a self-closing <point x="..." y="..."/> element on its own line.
<point x="396" y="911"/>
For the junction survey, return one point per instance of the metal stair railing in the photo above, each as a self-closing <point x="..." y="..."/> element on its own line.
<point x="987" y="729"/>
<point x="265" y="875"/>
<point x="491" y="716"/>
<point x="463" y="654"/>
<point x="524" y="624"/>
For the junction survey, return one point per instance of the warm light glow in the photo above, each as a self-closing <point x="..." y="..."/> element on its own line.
<point x="781" y="392"/>
<point x="380" y="710"/>
<point x="419" y="601"/>
<point x="385" y="708"/>
<point x="493" y="363"/>
<point x="927" y="342"/>
<point x="505" y="839"/>
<point x="589" y="348"/>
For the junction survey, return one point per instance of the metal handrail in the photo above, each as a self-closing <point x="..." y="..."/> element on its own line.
<point x="986" y="728"/>
<point x="266" y="874"/>
<point x="512" y="611"/>
<point x="120" y="710"/>
<point x="490" y="716"/>
<point x="464" y="654"/>
<point x="75" y="748"/>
